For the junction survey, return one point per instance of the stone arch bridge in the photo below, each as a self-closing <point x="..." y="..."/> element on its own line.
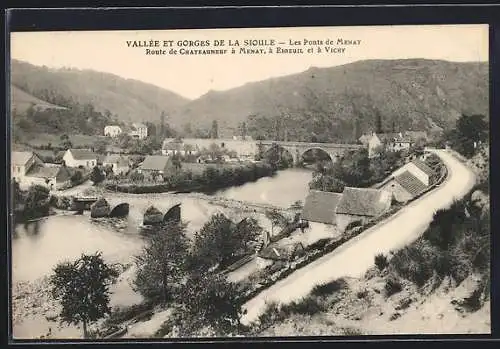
<point x="297" y="149"/>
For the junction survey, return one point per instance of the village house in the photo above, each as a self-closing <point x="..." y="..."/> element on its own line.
<point x="118" y="163"/>
<point x="54" y="177"/>
<point x="404" y="186"/>
<point x="155" y="165"/>
<point x="80" y="158"/>
<point x="139" y="131"/>
<point x="173" y="147"/>
<point x="112" y="131"/>
<point x="27" y="169"/>
<point x="392" y="141"/>
<point x="360" y="205"/>
<point x="389" y="141"/>
<point x="319" y="207"/>
<point x="420" y="170"/>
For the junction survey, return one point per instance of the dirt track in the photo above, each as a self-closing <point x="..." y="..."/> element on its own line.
<point x="356" y="256"/>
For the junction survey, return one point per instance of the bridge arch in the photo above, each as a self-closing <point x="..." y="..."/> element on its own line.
<point x="315" y="149"/>
<point x="173" y="215"/>
<point x="120" y="210"/>
<point x="283" y="151"/>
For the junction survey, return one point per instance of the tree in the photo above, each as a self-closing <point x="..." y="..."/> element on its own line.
<point x="469" y="130"/>
<point x="277" y="219"/>
<point x="162" y="124"/>
<point x="161" y="267"/>
<point x="96" y="176"/>
<point x="65" y="142"/>
<point x="76" y="177"/>
<point x="378" y="122"/>
<point x="219" y="240"/>
<point x="82" y="287"/>
<point x="36" y="201"/>
<point x="210" y="299"/>
<point x="100" y="146"/>
<point x="136" y="176"/>
<point x="215" y="130"/>
<point x="243" y="130"/>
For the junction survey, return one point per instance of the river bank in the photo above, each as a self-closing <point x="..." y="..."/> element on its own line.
<point x="35" y="312"/>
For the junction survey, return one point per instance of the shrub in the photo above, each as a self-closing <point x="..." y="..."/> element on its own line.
<point x="306" y="306"/>
<point x="329" y="288"/>
<point x="417" y="262"/>
<point x="381" y="261"/>
<point x="392" y="286"/>
<point x="362" y="294"/>
<point x="318" y="245"/>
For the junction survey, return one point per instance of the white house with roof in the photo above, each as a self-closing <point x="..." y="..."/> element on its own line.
<point x="418" y="169"/>
<point x="392" y="141"/>
<point x="118" y="163"/>
<point x="27" y="169"/>
<point x="139" y="130"/>
<point x="80" y="158"/>
<point x="112" y="131"/>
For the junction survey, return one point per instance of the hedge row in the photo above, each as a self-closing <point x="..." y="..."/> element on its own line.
<point x="212" y="178"/>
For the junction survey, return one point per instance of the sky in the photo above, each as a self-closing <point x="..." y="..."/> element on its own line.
<point x="194" y="75"/>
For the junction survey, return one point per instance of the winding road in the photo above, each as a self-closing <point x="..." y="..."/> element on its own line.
<point x="356" y="256"/>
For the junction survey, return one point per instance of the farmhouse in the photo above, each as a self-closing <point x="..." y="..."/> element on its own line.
<point x="27" y="169"/>
<point x="155" y="164"/>
<point x="392" y="141"/>
<point x="404" y="186"/>
<point x="420" y="170"/>
<point x="360" y="205"/>
<point x="139" y="131"/>
<point x="118" y="163"/>
<point x="80" y="158"/>
<point x="172" y="147"/>
<point x="112" y="131"/>
<point x="54" y="177"/>
<point x="320" y="206"/>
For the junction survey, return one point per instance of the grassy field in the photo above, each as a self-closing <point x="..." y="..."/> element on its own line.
<point x="41" y="139"/>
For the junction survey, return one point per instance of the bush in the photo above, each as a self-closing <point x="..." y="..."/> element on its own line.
<point x="329" y="288"/>
<point x="306" y="306"/>
<point x="381" y="261"/>
<point x="362" y="294"/>
<point x="417" y="262"/>
<point x="392" y="286"/>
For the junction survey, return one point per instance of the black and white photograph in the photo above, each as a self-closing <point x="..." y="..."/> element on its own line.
<point x="250" y="182"/>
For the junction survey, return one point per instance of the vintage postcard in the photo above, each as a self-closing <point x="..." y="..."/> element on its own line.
<point x="254" y="182"/>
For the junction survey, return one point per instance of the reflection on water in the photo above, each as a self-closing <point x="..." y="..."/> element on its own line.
<point x="39" y="246"/>
<point x="282" y="190"/>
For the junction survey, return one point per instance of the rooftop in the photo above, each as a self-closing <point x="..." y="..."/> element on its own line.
<point x="115" y="159"/>
<point x="20" y="158"/>
<point x="43" y="172"/>
<point x="363" y="201"/>
<point x="83" y="154"/>
<point x="320" y="206"/>
<point x="410" y="183"/>
<point x="155" y="162"/>
<point x="424" y="167"/>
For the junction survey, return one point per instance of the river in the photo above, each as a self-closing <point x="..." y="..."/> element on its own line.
<point x="38" y="248"/>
